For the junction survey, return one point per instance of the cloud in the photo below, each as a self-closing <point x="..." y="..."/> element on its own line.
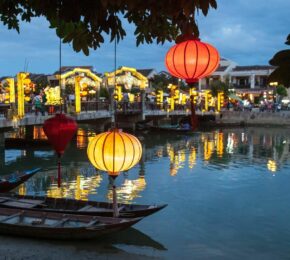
<point x="248" y="32"/>
<point x="245" y="31"/>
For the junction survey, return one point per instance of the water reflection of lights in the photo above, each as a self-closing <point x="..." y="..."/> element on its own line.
<point x="272" y="165"/>
<point x="80" y="188"/>
<point x="129" y="190"/>
<point x="230" y="144"/>
<point x="38" y="133"/>
<point x="177" y="159"/>
<point x="220" y="144"/>
<point x="159" y="152"/>
<point x="22" y="189"/>
<point x="208" y="147"/>
<point x="82" y="139"/>
<point x="192" y="158"/>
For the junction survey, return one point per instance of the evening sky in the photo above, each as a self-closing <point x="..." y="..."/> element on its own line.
<point x="245" y="31"/>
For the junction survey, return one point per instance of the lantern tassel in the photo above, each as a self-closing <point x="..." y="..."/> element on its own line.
<point x="58" y="173"/>
<point x="115" y="204"/>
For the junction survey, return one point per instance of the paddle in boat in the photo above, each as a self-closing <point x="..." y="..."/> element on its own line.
<point x="9" y="182"/>
<point x="71" y="206"/>
<point x="51" y="225"/>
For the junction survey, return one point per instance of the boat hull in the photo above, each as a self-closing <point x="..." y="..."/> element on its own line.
<point x="71" y="206"/>
<point x="44" y="231"/>
<point x="10" y="182"/>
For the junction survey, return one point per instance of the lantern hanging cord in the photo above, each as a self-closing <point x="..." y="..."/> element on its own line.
<point x="115" y="87"/>
<point x="60" y="54"/>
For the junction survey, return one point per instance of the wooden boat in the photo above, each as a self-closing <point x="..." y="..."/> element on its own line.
<point x="71" y="206"/>
<point x="9" y="182"/>
<point x="58" y="226"/>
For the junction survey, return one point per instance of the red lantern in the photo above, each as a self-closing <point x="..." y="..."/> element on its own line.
<point x="192" y="59"/>
<point x="59" y="130"/>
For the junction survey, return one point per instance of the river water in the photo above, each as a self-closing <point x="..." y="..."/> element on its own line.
<point x="227" y="192"/>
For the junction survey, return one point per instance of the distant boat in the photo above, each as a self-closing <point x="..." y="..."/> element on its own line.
<point x="11" y="181"/>
<point x="58" y="226"/>
<point x="171" y="128"/>
<point x="81" y="207"/>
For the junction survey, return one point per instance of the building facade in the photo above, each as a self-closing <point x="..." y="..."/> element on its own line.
<point x="240" y="77"/>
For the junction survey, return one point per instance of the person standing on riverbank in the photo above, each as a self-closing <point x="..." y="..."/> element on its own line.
<point x="37" y="102"/>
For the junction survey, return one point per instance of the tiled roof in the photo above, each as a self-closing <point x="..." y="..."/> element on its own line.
<point x="254" y="67"/>
<point x="145" y="72"/>
<point x="163" y="72"/>
<point x="68" y="68"/>
<point x="4" y="77"/>
<point x="221" y="68"/>
<point x="35" y="77"/>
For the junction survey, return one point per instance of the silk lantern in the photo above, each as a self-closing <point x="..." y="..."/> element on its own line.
<point x="114" y="151"/>
<point x="190" y="59"/>
<point x="59" y="131"/>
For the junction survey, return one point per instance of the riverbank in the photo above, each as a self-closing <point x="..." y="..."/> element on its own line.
<point x="252" y="118"/>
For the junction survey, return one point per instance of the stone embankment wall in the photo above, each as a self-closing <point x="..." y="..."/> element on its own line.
<point x="253" y="118"/>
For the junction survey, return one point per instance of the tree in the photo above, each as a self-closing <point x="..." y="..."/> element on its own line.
<point x="84" y="22"/>
<point x="217" y="86"/>
<point x="282" y="60"/>
<point x="161" y="82"/>
<point x="281" y="91"/>
<point x="104" y="92"/>
<point x="41" y="83"/>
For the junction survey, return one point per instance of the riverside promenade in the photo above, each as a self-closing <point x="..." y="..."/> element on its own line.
<point x="253" y="118"/>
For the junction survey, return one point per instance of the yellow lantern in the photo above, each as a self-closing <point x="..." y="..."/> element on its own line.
<point x="84" y="93"/>
<point x="114" y="151"/>
<point x="84" y="86"/>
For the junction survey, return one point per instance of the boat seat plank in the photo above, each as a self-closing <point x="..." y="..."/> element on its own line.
<point x="11" y="216"/>
<point x="32" y="201"/>
<point x="89" y="208"/>
<point x="93" y="222"/>
<point x="60" y="223"/>
<point x="94" y="209"/>
<point x="18" y="204"/>
<point x="85" y="208"/>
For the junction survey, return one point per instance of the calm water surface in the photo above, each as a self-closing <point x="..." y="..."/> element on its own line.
<point x="228" y="192"/>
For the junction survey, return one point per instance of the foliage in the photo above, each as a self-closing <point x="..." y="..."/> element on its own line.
<point x="281" y="91"/>
<point x="41" y="83"/>
<point x="135" y="90"/>
<point x="69" y="89"/>
<point x="104" y="92"/>
<point x="161" y="82"/>
<point x="282" y="60"/>
<point x="217" y="86"/>
<point x="84" y="22"/>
